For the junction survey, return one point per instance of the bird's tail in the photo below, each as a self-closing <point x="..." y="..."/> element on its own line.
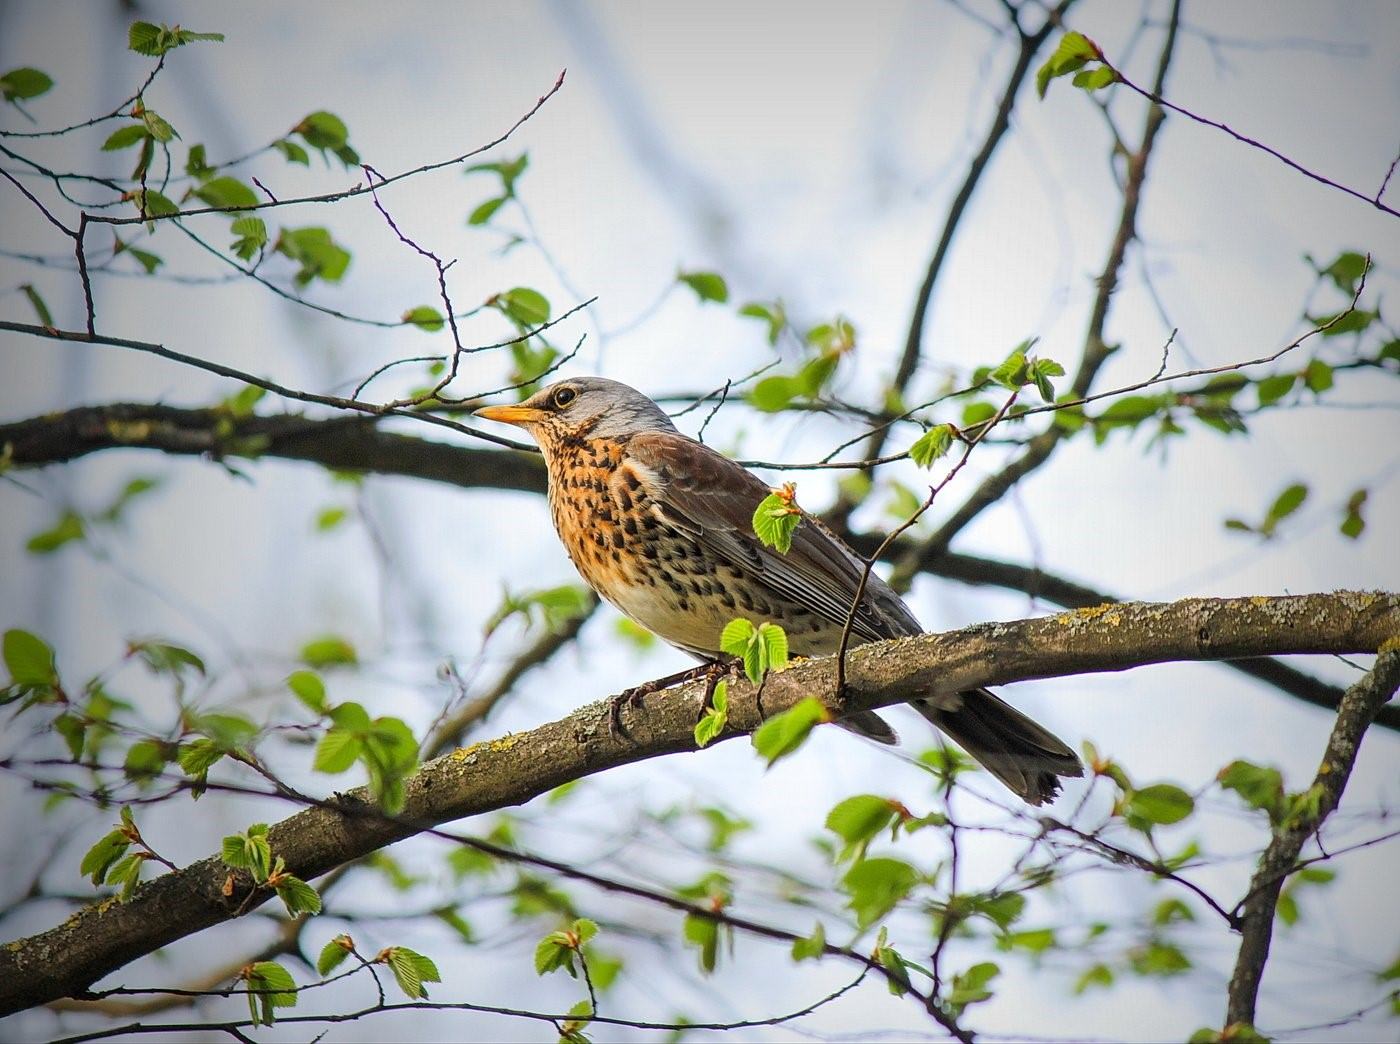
<point x="1025" y="756"/>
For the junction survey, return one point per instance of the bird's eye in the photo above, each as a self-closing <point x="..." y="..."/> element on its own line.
<point x="564" y="396"/>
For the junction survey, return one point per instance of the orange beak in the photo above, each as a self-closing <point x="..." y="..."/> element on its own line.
<point x="510" y="414"/>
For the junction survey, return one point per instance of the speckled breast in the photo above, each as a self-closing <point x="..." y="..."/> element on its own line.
<point x="618" y="537"/>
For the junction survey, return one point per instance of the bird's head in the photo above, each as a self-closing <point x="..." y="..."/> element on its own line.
<point x="581" y="408"/>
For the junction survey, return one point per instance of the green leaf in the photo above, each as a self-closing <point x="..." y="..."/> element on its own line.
<point x="1352" y="521"/>
<point x="328" y="651"/>
<point x="1317" y="376"/>
<point x="1034" y="940"/>
<point x="323" y="130"/>
<point x="164" y="658"/>
<point x="425" y="318"/>
<point x="708" y="286"/>
<point x="127" y="874"/>
<point x="776" y="519"/>
<point x="242" y="402"/>
<point x="29" y="658"/>
<point x="1074" y="50"/>
<point x="857" y="820"/>
<point x="1350" y="321"/>
<point x="41" y="311"/>
<point x="876" y="885"/>
<point x="1093" y="79"/>
<point x="319" y="256"/>
<point x="74" y="732"/>
<point x="155" y="40"/>
<point x="1012" y="373"/>
<point x="1171" y="911"/>
<point x="198" y="756"/>
<point x="308" y="687"/>
<point x="932" y="445"/>
<point x="270" y="986"/>
<point x="485" y="211"/>
<point x="812" y="947"/>
<point x="557" y="950"/>
<point x="1271" y="389"/>
<point x="716" y="716"/>
<point x="772" y="313"/>
<point x="784" y="733"/>
<point x="125" y="137"/>
<point x="298" y="896"/>
<point x="977" y="412"/>
<point x="66" y="530"/>
<point x="24" y="83"/>
<point x="1346" y="271"/>
<point x="1258" y="786"/>
<point x="1095" y="975"/>
<point x="227" y="193"/>
<point x="338" y="750"/>
<point x="1159" y="805"/>
<point x="292" y="152"/>
<point x="703" y="933"/>
<point x="971" y="986"/>
<point x="1285" y="504"/>
<point x="145" y="758"/>
<point x="773" y="394"/>
<point x="150" y="203"/>
<point x="103" y="855"/>
<point x="1158" y="958"/>
<point x="525" y="307"/>
<point x="249" y="851"/>
<point x="156" y="127"/>
<point x="333" y="954"/>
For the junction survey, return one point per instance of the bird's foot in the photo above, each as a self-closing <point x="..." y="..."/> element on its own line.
<point x="714" y="673"/>
<point x="634" y="697"/>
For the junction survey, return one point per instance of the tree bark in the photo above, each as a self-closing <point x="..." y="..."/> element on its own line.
<point x="97" y="940"/>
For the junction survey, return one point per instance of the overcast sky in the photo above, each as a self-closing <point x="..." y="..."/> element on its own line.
<point x="807" y="152"/>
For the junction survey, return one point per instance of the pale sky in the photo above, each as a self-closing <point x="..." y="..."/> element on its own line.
<point x="806" y="152"/>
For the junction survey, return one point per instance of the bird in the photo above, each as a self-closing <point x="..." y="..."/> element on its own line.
<point x="660" y="525"/>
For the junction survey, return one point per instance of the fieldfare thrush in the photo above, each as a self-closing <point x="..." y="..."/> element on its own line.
<point x="661" y="526"/>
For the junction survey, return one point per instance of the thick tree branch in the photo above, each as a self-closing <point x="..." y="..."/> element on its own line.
<point x="350" y="443"/>
<point x="1359" y="707"/>
<point x="101" y="938"/>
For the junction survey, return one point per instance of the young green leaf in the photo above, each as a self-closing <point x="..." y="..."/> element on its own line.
<point x="1352" y="520"/>
<point x="876" y="885"/>
<point x="270" y="986"/>
<point x="812" y="947"/>
<point x="776" y="518"/>
<point x="125" y="137"/>
<point x="525" y="307"/>
<point x="24" y="83"/>
<point x="716" y="716"/>
<point x="708" y="286"/>
<point x="328" y="651"/>
<point x="29" y="659"/>
<point x="102" y="856"/>
<point x="784" y="733"/>
<point x="1073" y="52"/>
<point x="298" y="896"/>
<point x="425" y="318"/>
<point x="857" y="820"/>
<point x="333" y="954"/>
<point x="308" y="687"/>
<point x="1158" y="805"/>
<point x="932" y="445"/>
<point x="249" y="851"/>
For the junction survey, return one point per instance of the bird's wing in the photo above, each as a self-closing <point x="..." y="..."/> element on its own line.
<point x="713" y="499"/>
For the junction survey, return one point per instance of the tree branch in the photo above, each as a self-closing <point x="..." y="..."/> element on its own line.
<point x="1359" y="707"/>
<point x="105" y="936"/>
<point x="348" y="443"/>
